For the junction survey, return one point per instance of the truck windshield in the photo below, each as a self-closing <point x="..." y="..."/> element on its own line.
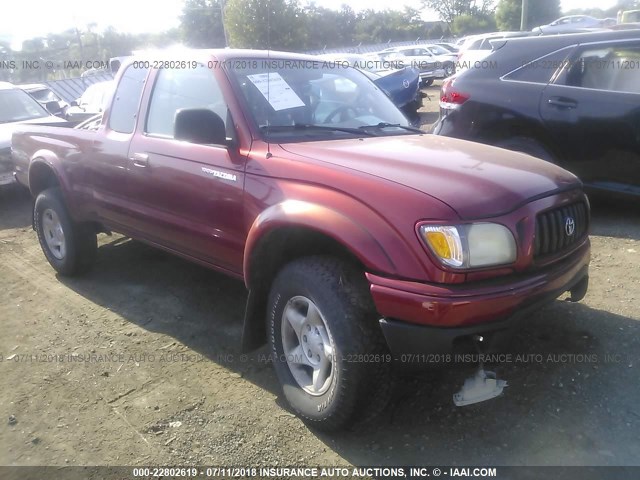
<point x="17" y="106"/>
<point x="288" y="98"/>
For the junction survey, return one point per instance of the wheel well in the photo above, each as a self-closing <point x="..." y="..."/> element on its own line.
<point x="41" y="177"/>
<point x="286" y="244"/>
<point x="275" y="250"/>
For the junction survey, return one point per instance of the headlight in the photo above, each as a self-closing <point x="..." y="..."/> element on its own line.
<point x="470" y="246"/>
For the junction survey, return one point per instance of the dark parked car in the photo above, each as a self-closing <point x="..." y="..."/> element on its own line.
<point x="47" y="98"/>
<point x="16" y="106"/>
<point x="430" y="65"/>
<point x="570" y="99"/>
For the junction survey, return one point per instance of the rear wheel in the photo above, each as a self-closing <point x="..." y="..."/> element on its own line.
<point x="428" y="82"/>
<point x="529" y="146"/>
<point x="329" y="353"/>
<point x="70" y="247"/>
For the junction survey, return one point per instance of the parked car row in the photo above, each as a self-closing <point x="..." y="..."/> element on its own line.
<point x="573" y="22"/>
<point x="401" y="85"/>
<point x="431" y="61"/>
<point x="573" y="100"/>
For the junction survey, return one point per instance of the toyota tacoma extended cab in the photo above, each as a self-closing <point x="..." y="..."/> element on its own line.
<point x="362" y="241"/>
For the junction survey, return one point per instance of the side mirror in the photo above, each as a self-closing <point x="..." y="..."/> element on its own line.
<point x="53" y="107"/>
<point x="199" y="125"/>
<point x="74" y="103"/>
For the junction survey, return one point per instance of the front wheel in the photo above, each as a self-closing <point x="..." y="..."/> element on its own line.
<point x="329" y="353"/>
<point x="70" y="247"/>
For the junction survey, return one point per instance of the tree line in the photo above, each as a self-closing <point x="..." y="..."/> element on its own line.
<point x="279" y="25"/>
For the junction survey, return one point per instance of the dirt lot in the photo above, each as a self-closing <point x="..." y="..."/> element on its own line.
<point x="139" y="363"/>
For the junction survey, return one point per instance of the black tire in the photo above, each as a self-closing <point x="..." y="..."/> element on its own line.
<point x="362" y="381"/>
<point x="529" y="146"/>
<point x="80" y="239"/>
<point x="428" y="82"/>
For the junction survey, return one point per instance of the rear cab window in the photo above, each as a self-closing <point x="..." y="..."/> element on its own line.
<point x="126" y="100"/>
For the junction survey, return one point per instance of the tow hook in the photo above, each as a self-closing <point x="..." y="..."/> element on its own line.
<point x="484" y="385"/>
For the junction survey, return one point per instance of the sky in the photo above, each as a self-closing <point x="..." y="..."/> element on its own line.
<point x="31" y="18"/>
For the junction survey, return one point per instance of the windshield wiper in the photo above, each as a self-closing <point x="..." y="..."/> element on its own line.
<point x="308" y="126"/>
<point x="389" y="125"/>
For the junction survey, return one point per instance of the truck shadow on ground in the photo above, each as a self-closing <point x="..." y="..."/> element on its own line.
<point x="572" y="371"/>
<point x="564" y="367"/>
<point x="572" y="375"/>
<point x="15" y="207"/>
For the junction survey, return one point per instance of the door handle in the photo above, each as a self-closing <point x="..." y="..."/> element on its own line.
<point x="140" y="160"/>
<point x="563" y="102"/>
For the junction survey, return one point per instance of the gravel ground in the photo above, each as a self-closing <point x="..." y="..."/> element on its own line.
<point x="138" y="363"/>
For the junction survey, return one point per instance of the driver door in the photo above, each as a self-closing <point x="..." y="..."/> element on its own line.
<point x="189" y="196"/>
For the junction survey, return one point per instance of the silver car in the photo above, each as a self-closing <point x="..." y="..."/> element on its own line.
<point x="569" y="23"/>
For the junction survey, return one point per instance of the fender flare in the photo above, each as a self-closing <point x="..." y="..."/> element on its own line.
<point x="49" y="159"/>
<point x="313" y="217"/>
<point x="323" y="220"/>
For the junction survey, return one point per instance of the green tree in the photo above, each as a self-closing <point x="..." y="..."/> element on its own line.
<point x="116" y="44"/>
<point x="328" y="28"/>
<point x="473" y="24"/>
<point x="448" y="10"/>
<point x="274" y="24"/>
<point x="201" y="23"/>
<point x="509" y="14"/>
<point x="541" y="12"/>
<point x="389" y="25"/>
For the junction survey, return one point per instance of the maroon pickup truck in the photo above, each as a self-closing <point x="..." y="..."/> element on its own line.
<point x="363" y="242"/>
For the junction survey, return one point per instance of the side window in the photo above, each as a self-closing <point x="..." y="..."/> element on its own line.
<point x="127" y="99"/>
<point x="615" y="68"/>
<point x="541" y="70"/>
<point x="182" y="88"/>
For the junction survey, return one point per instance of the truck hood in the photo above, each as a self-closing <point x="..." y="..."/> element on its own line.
<point x="6" y="129"/>
<point x="477" y="181"/>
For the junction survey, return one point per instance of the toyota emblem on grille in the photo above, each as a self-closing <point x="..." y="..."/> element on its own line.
<point x="569" y="226"/>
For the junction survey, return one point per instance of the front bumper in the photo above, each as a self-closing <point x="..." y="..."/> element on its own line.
<point x="425" y="319"/>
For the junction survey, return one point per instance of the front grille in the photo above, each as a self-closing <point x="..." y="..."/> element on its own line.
<point x="557" y="230"/>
